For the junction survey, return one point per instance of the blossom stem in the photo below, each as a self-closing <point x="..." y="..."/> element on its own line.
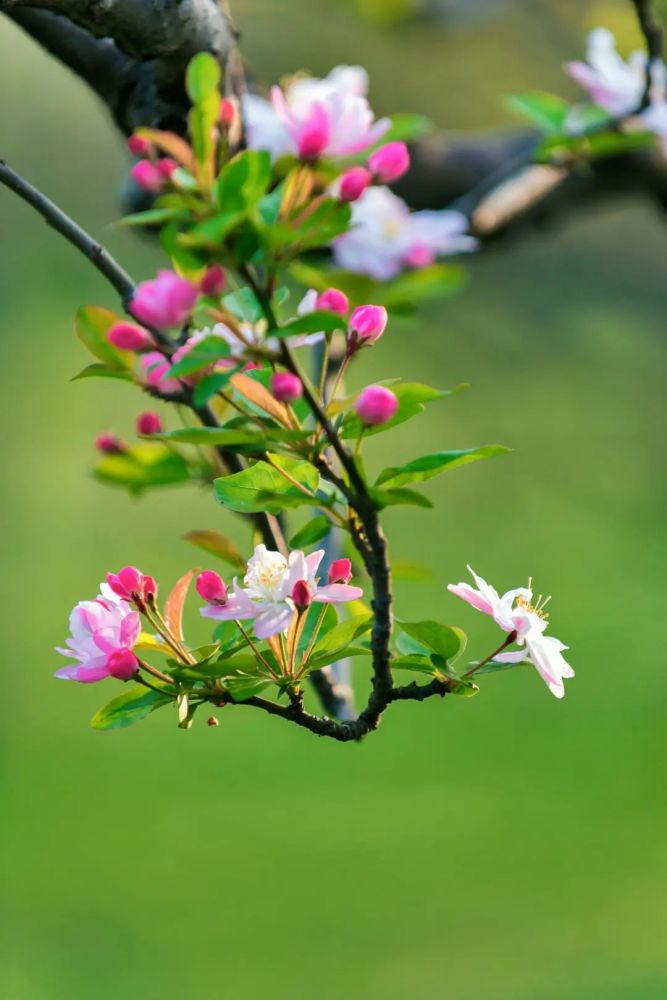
<point x="325" y="368"/>
<point x="159" y="624"/>
<point x="508" y="642"/>
<point x="142" y="680"/>
<point x="313" y="640"/>
<point x="155" y="672"/>
<point x="256" y="651"/>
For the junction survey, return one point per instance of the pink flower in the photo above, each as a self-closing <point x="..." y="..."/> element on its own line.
<point x="389" y="162"/>
<point x="103" y="633"/>
<point x="165" y="301"/>
<point x="155" y="368"/>
<point x="214" y="281"/>
<point x="211" y="588"/>
<point x="340" y="571"/>
<point x="286" y="387"/>
<point x="353" y="183"/>
<point x="334" y="300"/>
<point x="526" y="624"/>
<point x="367" y="324"/>
<point x="138" y="146"/>
<point x="313" y="117"/>
<point x="147" y="176"/>
<point x="375" y="405"/>
<point x="149" y="423"/>
<point x="420" y="255"/>
<point x="610" y="82"/>
<point x="109" y="444"/>
<point x="130" y="337"/>
<point x="130" y="584"/>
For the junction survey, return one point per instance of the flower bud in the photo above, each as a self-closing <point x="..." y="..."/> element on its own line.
<point x="301" y="595"/>
<point x="211" y="587"/>
<point x="122" y="664"/>
<point x="313" y="138"/>
<point x="148" y="176"/>
<point x="149" y="423"/>
<point x="109" y="444"/>
<point x="165" y="301"/>
<point x="213" y="283"/>
<point x="127" y="582"/>
<point x="389" y="162"/>
<point x="212" y="721"/>
<point x="286" y="388"/>
<point x="353" y="183"/>
<point x="138" y="146"/>
<point x="149" y="589"/>
<point x="367" y="324"/>
<point x="130" y="337"/>
<point x="334" y="300"/>
<point x="419" y="255"/>
<point x="166" y="167"/>
<point x="340" y="571"/>
<point x="227" y="112"/>
<point x="375" y="405"/>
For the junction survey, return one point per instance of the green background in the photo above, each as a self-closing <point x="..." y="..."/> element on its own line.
<point x="510" y="846"/>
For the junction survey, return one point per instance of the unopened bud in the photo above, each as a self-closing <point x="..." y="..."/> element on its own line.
<point x="389" y="162"/>
<point x="227" y="112"/>
<point x="286" y="387"/>
<point x="214" y="282"/>
<point x="122" y="664"/>
<point x="130" y="337"/>
<point x="109" y="444"/>
<point x="211" y="588"/>
<point x="148" y="176"/>
<point x="334" y="300"/>
<point x="353" y="183"/>
<point x="149" y="423"/>
<point x="301" y="595"/>
<point x="340" y="571"/>
<point x="375" y="405"/>
<point x="367" y="324"/>
<point x="138" y="146"/>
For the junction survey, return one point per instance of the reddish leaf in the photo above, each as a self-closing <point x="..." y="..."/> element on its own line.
<point x="173" y="606"/>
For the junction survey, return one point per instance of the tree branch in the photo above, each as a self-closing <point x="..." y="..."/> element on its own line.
<point x="652" y="33"/>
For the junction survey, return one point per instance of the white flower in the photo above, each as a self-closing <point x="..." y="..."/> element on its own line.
<point x="514" y="614"/>
<point x="386" y="237"/>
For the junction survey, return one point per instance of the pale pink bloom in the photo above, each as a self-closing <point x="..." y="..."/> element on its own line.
<point x="155" y="368"/>
<point x="384" y="235"/>
<point x="267" y="596"/>
<point x="129" y="337"/>
<point x="286" y="387"/>
<point x="375" y="405"/>
<point x="389" y="162"/>
<point x="514" y="614"/>
<point x="352" y="184"/>
<point x="610" y="82"/>
<point x="165" y="301"/>
<point x="312" y="117"/>
<point x="99" y="630"/>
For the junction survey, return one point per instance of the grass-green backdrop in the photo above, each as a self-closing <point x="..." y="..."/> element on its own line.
<point x="508" y="846"/>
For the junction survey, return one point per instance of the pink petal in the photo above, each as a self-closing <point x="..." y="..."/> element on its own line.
<point x="337" y="593"/>
<point x="272" y="621"/>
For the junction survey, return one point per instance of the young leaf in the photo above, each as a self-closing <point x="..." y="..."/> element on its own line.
<point x="129" y="707"/>
<point x="217" y="545"/>
<point x="91" y="326"/>
<point x="496" y="666"/>
<point x="242" y="491"/>
<point x="241" y="688"/>
<point x="418" y="664"/>
<point x="210" y="385"/>
<point x="395" y="497"/>
<point x="171" y="144"/>
<point x="205" y="353"/>
<point x="447" y="642"/>
<point x="320" y="321"/>
<point x="173" y="606"/>
<point x="243" y="181"/>
<point x="335" y="640"/>
<point x="547" y="111"/>
<point x="104" y="371"/>
<point x="202" y="77"/>
<point x="141" y="467"/>
<point x="432" y="465"/>
<point x="255" y="393"/>
<point x="311" y="532"/>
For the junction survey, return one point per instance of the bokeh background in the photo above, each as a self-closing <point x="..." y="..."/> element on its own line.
<point x="508" y="846"/>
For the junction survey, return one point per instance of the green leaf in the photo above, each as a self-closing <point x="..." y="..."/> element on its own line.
<point x="447" y="642"/>
<point x="412" y="397"/>
<point x="232" y="665"/>
<point x="212" y="384"/>
<point x="432" y="465"/>
<point x="202" y="77"/>
<point x="329" y="219"/>
<point x="212" y="231"/>
<point x="229" y="438"/>
<point x="129" y="707"/>
<point x="205" y="353"/>
<point x="244" y="181"/>
<point x="329" y="621"/>
<point x="418" y="664"/>
<point x="242" y="491"/>
<point x="496" y="667"/>
<point x="406" y="127"/>
<point x="92" y="325"/>
<point x="104" y="371"/>
<point x="189" y="261"/>
<point x="311" y="532"/>
<point x="318" y="660"/>
<point x="547" y="111"/>
<point x="319" y="321"/>
<point x="141" y="467"/>
<point x="216" y="545"/>
<point x="241" y="688"/>
<point x="396" y="497"/>
<point x="334" y="641"/>
<point x="153" y="217"/>
<point x="243" y="303"/>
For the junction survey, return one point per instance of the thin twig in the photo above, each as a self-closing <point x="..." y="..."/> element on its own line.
<point x="652" y="33"/>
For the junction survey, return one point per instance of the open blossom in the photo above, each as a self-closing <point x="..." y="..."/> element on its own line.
<point x="103" y="633"/>
<point x="165" y="301"/>
<point x="267" y="598"/>
<point x="313" y="117"/>
<point x="514" y="614"/>
<point x="385" y="233"/>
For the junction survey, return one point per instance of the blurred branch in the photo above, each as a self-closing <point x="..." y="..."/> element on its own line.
<point x="652" y="33"/>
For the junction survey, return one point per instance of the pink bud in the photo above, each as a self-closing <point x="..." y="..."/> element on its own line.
<point x="149" y="587"/>
<point x="148" y="176"/>
<point x="109" y="444"/>
<point x="138" y="146"/>
<point x="149" y="423"/>
<point x="389" y="162"/>
<point x="353" y="183"/>
<point x="122" y="664"/>
<point x="213" y="283"/>
<point x="419" y="255"/>
<point x="166" y="166"/>
<point x="286" y="388"/>
<point x="333" y="300"/>
<point x="211" y="588"/>
<point x="375" y="405"/>
<point x="130" y="337"/>
<point x="340" y="571"/>
<point x="367" y="324"/>
<point x="126" y="582"/>
<point x="301" y="595"/>
<point x="314" y="133"/>
<point x="165" y="301"/>
<point x="227" y="112"/>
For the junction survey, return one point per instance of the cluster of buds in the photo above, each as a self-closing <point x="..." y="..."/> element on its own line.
<point x="152" y="172"/>
<point x="384" y="166"/>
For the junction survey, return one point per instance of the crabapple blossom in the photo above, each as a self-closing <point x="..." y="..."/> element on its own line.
<point x="148" y="176"/>
<point x="210" y="587"/>
<point x="103" y="633"/>
<point x="167" y="166"/>
<point x="389" y="162"/>
<point x="610" y="81"/>
<point x="375" y="405"/>
<point x="149" y="423"/>
<point x="227" y="113"/>
<point x="367" y="324"/>
<point x="334" y="300"/>
<point x="384" y="235"/>
<point x="138" y="146"/>
<point x="129" y="337"/>
<point x="340" y="571"/>
<point x="525" y="623"/>
<point x="313" y="117"/>
<point x="109" y="444"/>
<point x="155" y="367"/>
<point x="286" y="387"/>
<point x="301" y="595"/>
<point x="214" y="281"/>
<point x="165" y="301"/>
<point x="353" y="183"/>
<point x="130" y="584"/>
